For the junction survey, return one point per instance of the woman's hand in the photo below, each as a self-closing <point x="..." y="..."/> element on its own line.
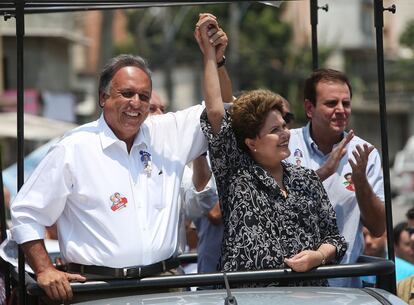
<point x="305" y="260"/>
<point x="208" y="34"/>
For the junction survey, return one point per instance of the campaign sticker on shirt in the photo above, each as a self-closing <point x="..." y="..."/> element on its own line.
<point x="118" y="201"/>
<point x="146" y="161"/>
<point x="298" y="156"/>
<point x="349" y="185"/>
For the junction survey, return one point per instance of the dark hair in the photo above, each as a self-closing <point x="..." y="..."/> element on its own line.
<point x="323" y="75"/>
<point x="119" y="62"/>
<point x="398" y="229"/>
<point x="250" y="111"/>
<point x="410" y="214"/>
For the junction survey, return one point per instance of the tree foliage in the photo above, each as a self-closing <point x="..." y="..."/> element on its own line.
<point x="265" y="55"/>
<point x="407" y="37"/>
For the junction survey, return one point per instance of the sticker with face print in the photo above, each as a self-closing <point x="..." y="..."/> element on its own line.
<point x="118" y="201"/>
<point x="349" y="185"/>
<point x="298" y="156"/>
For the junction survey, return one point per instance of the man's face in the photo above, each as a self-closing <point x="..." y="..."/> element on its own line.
<point x="127" y="104"/>
<point x="404" y="249"/>
<point x="332" y="110"/>
<point x="156" y="105"/>
<point x="374" y="246"/>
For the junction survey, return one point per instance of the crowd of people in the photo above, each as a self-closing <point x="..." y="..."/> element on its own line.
<point x="262" y="196"/>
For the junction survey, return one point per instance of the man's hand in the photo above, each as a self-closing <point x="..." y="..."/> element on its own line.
<point x="304" y="261"/>
<point x="214" y="215"/>
<point x="219" y="40"/>
<point x="370" y="205"/>
<point x="216" y="36"/>
<point x="332" y="163"/>
<point x="56" y="284"/>
<point x="359" y="166"/>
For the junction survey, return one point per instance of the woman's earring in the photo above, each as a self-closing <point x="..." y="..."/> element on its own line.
<point x="255" y="150"/>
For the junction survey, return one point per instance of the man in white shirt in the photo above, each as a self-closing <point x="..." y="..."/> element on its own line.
<point x="349" y="166"/>
<point x="111" y="185"/>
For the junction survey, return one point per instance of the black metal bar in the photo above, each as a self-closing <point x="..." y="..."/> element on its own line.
<point x="20" y="127"/>
<point x="114" y="1"/>
<point x="379" y="24"/>
<point x="370" y="266"/>
<point x="165" y="3"/>
<point x="56" y="8"/>
<point x="314" y="25"/>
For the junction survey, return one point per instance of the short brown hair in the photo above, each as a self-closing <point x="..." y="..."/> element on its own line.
<point x="250" y="111"/>
<point x="323" y="75"/>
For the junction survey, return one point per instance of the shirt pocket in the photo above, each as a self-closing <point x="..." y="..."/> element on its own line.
<point x="156" y="189"/>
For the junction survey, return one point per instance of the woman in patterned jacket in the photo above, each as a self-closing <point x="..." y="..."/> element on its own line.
<point x="275" y="214"/>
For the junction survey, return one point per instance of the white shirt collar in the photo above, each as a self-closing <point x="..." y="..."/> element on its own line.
<point x="108" y="137"/>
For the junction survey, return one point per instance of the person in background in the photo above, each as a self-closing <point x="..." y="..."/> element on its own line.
<point x="265" y="203"/>
<point x="157" y="105"/>
<point x="288" y="116"/>
<point x="404" y="253"/>
<point x="121" y="152"/>
<point x="410" y="217"/>
<point x="374" y="246"/>
<point x="201" y="219"/>
<point x="340" y="157"/>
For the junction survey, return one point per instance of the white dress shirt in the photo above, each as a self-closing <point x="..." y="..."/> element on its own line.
<point x="109" y="210"/>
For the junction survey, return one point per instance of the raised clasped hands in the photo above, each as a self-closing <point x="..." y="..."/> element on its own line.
<point x="208" y="33"/>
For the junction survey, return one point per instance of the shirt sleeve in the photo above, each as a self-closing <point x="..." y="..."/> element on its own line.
<point x="38" y="203"/>
<point x="225" y="154"/>
<point x="188" y="139"/>
<point x="197" y="204"/>
<point x="328" y="227"/>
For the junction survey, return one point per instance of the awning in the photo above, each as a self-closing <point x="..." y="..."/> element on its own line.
<point x="35" y="127"/>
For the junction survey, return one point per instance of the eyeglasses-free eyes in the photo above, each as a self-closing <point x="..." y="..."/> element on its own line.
<point x="129" y="94"/>
<point x="289" y="117"/>
<point x="410" y="231"/>
<point x="154" y="108"/>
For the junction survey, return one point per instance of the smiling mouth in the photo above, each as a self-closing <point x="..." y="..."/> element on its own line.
<point x="132" y="114"/>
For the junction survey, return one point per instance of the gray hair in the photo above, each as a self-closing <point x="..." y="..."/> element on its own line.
<point x="119" y="62"/>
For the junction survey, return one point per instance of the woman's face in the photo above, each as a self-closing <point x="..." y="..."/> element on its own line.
<point x="272" y="144"/>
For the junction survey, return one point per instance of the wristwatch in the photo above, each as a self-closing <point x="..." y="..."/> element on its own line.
<point x="221" y="62"/>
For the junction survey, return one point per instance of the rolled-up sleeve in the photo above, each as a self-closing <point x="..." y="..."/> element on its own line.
<point x="197" y="204"/>
<point x="42" y="198"/>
